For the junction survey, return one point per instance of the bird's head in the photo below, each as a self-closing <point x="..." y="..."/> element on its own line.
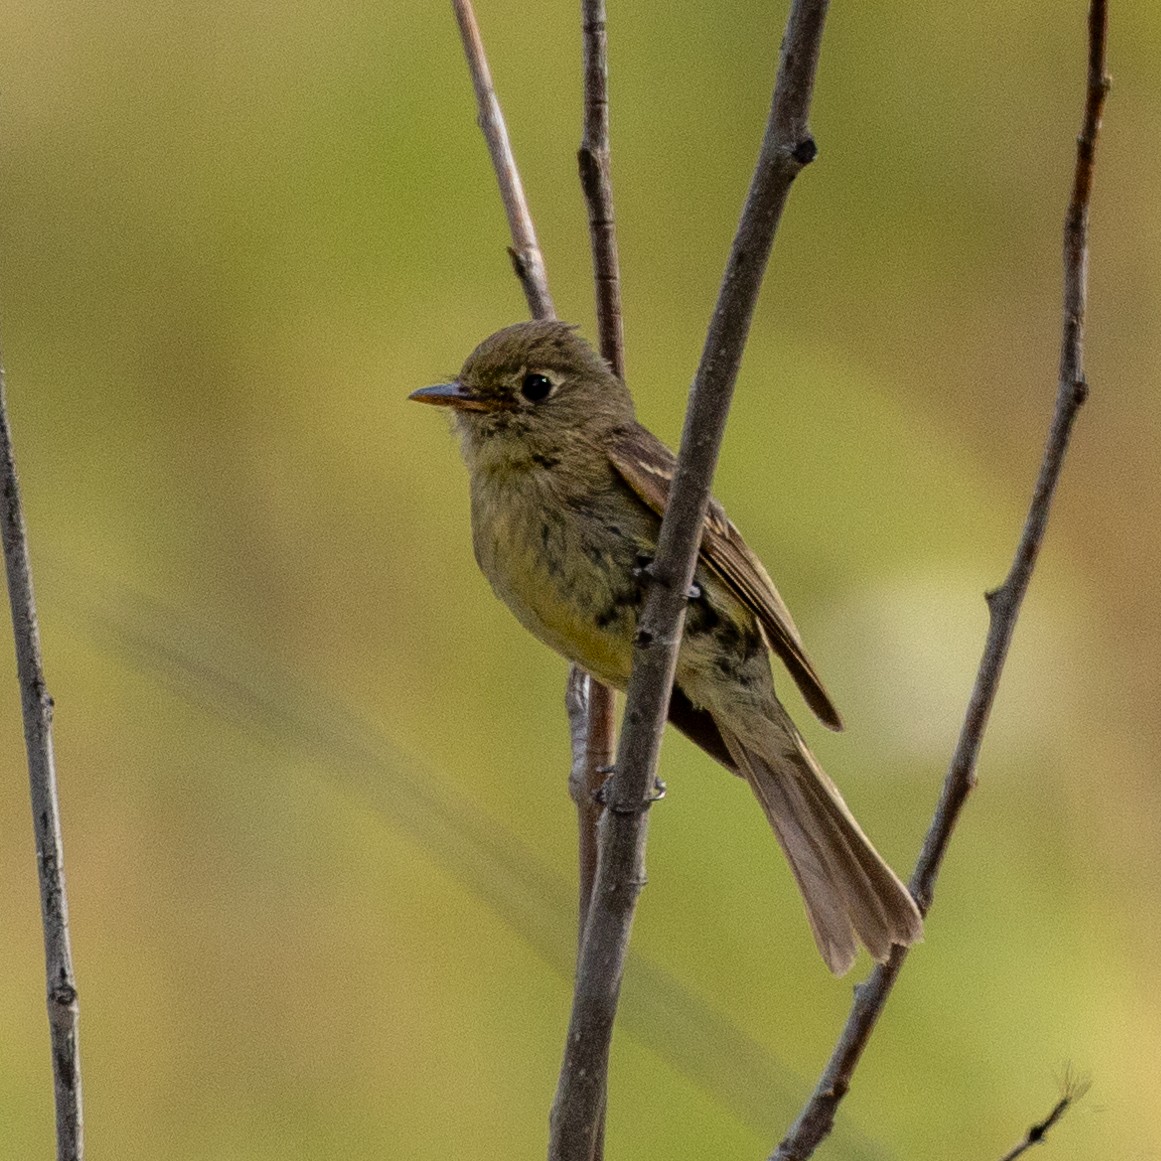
<point x="530" y="389"/>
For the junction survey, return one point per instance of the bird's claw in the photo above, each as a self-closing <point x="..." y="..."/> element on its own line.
<point x="644" y="567"/>
<point x="602" y="792"/>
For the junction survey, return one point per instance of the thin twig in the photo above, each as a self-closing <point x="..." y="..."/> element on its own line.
<point x="593" y="162"/>
<point x="817" y="1117"/>
<point x="1072" y="1090"/>
<point x="591" y="729"/>
<point x="527" y="259"/>
<point x="596" y="181"/>
<point x="589" y="704"/>
<point x="36" y="707"/>
<point x="786" y="148"/>
<point x="1038" y="1132"/>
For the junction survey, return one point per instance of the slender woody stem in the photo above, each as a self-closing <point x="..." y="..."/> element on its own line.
<point x="36" y="707"/>
<point x="1074" y="1090"/>
<point x="593" y="164"/>
<point x="596" y="181"/>
<point x="591" y="728"/>
<point x="589" y="703"/>
<point x="817" y="1117"/>
<point x="593" y="159"/>
<point x="786" y="148"/>
<point x="525" y="250"/>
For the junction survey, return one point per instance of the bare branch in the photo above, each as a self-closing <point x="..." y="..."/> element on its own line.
<point x="817" y="1117"/>
<point x="786" y="148"/>
<point x="36" y="707"/>
<point x="1072" y="1090"/>
<point x="589" y="703"/>
<point x="527" y="259"/>
<point x="593" y="162"/>
<point x="591" y="728"/>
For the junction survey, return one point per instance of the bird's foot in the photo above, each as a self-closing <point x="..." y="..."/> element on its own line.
<point x="603" y="792"/>
<point x="644" y="567"/>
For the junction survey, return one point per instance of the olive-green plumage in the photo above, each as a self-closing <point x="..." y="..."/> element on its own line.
<point x="567" y="493"/>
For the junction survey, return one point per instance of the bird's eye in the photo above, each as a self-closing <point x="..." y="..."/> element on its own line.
<point x="536" y="387"/>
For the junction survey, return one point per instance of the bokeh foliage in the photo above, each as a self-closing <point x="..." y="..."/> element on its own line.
<point x="313" y="775"/>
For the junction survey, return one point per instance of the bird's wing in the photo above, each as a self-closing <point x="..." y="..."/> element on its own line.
<point x="647" y="466"/>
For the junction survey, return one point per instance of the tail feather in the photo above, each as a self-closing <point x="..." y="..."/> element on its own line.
<point x="847" y="887"/>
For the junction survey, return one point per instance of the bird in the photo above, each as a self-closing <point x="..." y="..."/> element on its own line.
<point x="567" y="494"/>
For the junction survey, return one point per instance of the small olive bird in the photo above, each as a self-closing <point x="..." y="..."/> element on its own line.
<point x="568" y="490"/>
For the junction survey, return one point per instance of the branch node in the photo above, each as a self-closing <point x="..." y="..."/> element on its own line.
<point x="63" y="994"/>
<point x="923" y="893"/>
<point x="806" y="150"/>
<point x="1080" y="391"/>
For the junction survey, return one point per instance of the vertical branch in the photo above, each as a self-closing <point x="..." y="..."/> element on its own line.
<point x="588" y="703"/>
<point x="596" y="181"/>
<point x="525" y="250"/>
<point x="593" y="161"/>
<point x="590" y="715"/>
<point x="36" y="707"/>
<point x="786" y="148"/>
<point x="817" y="1117"/>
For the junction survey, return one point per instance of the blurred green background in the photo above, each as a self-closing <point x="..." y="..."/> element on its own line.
<point x="319" y="847"/>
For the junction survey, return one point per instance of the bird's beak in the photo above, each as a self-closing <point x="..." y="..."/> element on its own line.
<point x="449" y="395"/>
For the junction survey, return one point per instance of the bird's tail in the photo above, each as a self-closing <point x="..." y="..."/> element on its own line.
<point x="846" y="885"/>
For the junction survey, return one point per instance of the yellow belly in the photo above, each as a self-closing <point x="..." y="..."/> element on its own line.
<point x="571" y="573"/>
<point x="569" y="580"/>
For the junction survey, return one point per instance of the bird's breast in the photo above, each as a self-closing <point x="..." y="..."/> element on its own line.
<point x="567" y="565"/>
